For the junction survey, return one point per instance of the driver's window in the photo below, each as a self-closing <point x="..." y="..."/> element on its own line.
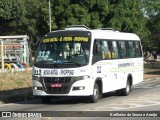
<point x="97" y="51"/>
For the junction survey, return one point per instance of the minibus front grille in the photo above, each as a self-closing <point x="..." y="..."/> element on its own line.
<point x="66" y="83"/>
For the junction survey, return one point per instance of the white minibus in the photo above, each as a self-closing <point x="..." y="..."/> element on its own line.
<point x="79" y="61"/>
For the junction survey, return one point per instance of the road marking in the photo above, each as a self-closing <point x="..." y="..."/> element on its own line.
<point x="146" y="86"/>
<point x="46" y="118"/>
<point x="157" y="86"/>
<point x="142" y="101"/>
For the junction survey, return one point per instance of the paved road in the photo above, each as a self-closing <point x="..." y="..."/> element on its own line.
<point x="144" y="97"/>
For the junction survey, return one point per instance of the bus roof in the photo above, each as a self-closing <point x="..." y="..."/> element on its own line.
<point x="103" y="33"/>
<point x="114" y="35"/>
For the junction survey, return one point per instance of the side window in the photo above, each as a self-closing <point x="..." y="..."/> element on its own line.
<point x="137" y="49"/>
<point x="131" y="49"/>
<point x="97" y="51"/>
<point x="105" y="49"/>
<point x="115" y="49"/>
<point x="122" y="49"/>
<point x="108" y="49"/>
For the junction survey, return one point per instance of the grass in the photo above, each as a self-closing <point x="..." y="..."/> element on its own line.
<point x="149" y="69"/>
<point x="9" y="81"/>
<point x="152" y="67"/>
<point x="12" y="87"/>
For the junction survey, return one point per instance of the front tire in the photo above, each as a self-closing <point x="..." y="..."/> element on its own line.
<point x="94" y="98"/>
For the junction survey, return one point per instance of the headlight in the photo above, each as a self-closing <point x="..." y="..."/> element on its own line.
<point x="35" y="78"/>
<point x="81" y="77"/>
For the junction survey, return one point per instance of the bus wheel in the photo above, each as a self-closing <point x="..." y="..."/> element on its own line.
<point x="94" y="98"/>
<point x="125" y="91"/>
<point x="45" y="100"/>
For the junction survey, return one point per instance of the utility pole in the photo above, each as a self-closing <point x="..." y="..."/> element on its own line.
<point x="49" y="8"/>
<point x="2" y="56"/>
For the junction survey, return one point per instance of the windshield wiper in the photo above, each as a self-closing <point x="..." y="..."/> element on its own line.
<point x="68" y="62"/>
<point x="46" y="62"/>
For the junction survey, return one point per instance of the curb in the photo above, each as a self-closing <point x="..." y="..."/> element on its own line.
<point x="153" y="78"/>
<point x="16" y="96"/>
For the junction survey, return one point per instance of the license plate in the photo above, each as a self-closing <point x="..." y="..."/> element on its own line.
<point x="56" y="85"/>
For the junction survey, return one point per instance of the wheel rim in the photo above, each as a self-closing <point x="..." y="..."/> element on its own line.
<point x="128" y="87"/>
<point x="95" y="93"/>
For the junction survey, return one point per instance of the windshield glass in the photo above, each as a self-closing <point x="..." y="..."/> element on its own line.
<point x="64" y="51"/>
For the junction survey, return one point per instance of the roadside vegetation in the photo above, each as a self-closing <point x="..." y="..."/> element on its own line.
<point x="15" y="87"/>
<point x="152" y="66"/>
<point x="15" y="81"/>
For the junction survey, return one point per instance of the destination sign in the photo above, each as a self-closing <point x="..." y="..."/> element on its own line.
<point x="66" y="39"/>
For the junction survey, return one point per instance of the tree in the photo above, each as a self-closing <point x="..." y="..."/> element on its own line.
<point x="127" y="16"/>
<point x="27" y="17"/>
<point x="74" y="14"/>
<point x="67" y="13"/>
<point x="11" y="12"/>
<point x="87" y="12"/>
<point x="35" y="23"/>
<point x="97" y="9"/>
<point x="152" y="10"/>
<point x="31" y="17"/>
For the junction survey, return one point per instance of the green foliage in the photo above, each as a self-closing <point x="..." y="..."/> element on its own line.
<point x="128" y="16"/>
<point x="10" y="15"/>
<point x="152" y="8"/>
<point x="91" y="13"/>
<point x="74" y="15"/>
<point x="31" y="17"/>
<point x="24" y="17"/>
